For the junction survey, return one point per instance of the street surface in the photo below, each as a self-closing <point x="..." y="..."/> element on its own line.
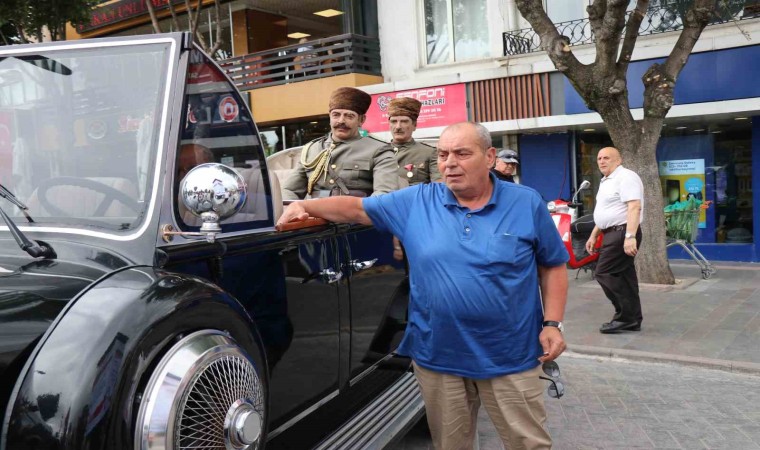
<point x="619" y="404"/>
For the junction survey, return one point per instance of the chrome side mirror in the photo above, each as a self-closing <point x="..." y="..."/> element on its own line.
<point x="584" y="185"/>
<point x="213" y="192"/>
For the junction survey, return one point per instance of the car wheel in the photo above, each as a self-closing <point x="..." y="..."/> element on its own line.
<point x="205" y="392"/>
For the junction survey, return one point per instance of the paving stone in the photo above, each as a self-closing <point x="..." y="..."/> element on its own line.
<point x="676" y="407"/>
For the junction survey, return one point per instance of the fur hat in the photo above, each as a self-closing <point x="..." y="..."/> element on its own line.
<point x="351" y="99"/>
<point x="404" y="106"/>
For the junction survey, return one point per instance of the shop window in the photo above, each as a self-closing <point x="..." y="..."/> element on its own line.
<point x="708" y="162"/>
<point x="732" y="183"/>
<point x="456" y="30"/>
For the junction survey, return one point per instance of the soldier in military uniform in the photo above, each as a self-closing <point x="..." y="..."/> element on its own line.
<point x="417" y="162"/>
<point x="344" y="162"/>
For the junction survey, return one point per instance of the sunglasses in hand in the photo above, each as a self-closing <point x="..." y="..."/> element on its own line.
<point x="556" y="389"/>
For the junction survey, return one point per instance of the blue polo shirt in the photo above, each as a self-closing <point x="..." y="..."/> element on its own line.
<point x="475" y="308"/>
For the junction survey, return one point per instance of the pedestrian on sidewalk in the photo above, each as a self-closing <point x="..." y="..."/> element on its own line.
<point x="618" y="214"/>
<point x="483" y="255"/>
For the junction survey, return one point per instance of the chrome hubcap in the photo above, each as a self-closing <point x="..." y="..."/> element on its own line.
<point x="204" y="393"/>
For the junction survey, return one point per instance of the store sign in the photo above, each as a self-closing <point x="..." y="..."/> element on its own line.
<point x="121" y="10"/>
<point x="441" y="106"/>
<point x="681" y="179"/>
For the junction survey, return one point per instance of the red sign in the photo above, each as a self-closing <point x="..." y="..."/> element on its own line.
<point x="228" y="109"/>
<point x="118" y="11"/>
<point x="441" y="106"/>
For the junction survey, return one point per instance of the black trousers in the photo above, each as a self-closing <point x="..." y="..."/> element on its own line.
<point x="616" y="273"/>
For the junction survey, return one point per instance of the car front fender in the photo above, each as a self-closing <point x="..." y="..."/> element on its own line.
<point x="82" y="386"/>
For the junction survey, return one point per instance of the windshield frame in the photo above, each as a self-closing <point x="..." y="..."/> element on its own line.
<point x="173" y="41"/>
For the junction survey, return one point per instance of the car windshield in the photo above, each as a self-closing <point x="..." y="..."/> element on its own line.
<point x="79" y="130"/>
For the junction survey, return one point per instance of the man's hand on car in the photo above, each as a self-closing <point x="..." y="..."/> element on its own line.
<point x="293" y="213"/>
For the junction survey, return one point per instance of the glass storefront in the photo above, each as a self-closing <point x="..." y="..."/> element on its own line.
<point x="258" y="25"/>
<point x="707" y="162"/>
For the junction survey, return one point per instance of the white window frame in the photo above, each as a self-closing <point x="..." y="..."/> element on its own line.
<point x="450" y="24"/>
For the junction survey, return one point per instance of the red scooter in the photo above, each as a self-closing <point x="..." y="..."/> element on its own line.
<point x="575" y="232"/>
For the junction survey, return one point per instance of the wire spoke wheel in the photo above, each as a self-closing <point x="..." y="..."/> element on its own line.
<point x="205" y="393"/>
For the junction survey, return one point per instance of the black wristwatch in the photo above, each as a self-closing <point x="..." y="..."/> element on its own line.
<point x="554" y="323"/>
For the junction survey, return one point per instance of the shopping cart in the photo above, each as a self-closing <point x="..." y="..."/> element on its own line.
<point x="681" y="229"/>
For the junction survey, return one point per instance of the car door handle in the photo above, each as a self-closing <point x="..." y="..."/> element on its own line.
<point x="358" y="266"/>
<point x="331" y="276"/>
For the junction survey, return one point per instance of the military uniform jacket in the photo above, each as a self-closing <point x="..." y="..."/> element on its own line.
<point x="360" y="164"/>
<point x="417" y="162"/>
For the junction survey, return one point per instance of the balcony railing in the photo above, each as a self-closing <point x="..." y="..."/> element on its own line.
<point x="662" y="17"/>
<point x="347" y="53"/>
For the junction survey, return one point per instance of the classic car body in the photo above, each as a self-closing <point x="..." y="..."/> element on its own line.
<point x="124" y="325"/>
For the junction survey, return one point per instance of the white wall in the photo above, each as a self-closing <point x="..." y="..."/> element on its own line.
<point x="403" y="49"/>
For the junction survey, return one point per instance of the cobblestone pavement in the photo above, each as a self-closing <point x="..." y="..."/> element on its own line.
<point x="619" y="404"/>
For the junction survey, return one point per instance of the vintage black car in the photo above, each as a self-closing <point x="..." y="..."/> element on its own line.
<point x="129" y="322"/>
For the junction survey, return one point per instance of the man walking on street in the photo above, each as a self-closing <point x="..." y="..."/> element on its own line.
<point x="483" y="255"/>
<point x="618" y="214"/>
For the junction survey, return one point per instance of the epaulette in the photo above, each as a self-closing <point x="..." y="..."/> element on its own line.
<point x="378" y="140"/>
<point x="426" y="144"/>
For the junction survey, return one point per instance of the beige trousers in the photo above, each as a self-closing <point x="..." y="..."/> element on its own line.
<point x="515" y="404"/>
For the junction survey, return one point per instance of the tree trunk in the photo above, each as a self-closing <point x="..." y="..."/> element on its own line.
<point x="603" y="86"/>
<point x="651" y="262"/>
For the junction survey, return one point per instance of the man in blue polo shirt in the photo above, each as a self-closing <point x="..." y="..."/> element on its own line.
<point x="483" y="255"/>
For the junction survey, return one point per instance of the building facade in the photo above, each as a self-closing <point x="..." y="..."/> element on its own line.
<point x="709" y="145"/>
<point x="479" y="60"/>
<point x="286" y="55"/>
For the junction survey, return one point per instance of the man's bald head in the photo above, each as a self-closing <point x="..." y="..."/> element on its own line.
<point x="608" y="159"/>
<point x="479" y="132"/>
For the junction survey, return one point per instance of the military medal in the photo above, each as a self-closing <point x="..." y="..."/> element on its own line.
<point x="409" y="173"/>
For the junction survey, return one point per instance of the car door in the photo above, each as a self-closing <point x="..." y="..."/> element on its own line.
<point x="286" y="281"/>
<point x="378" y="298"/>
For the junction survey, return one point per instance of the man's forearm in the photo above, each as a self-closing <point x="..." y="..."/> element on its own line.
<point x="553" y="282"/>
<point x="633" y="216"/>
<point x="341" y="209"/>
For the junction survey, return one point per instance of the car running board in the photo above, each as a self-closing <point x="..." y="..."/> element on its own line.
<point x="382" y="421"/>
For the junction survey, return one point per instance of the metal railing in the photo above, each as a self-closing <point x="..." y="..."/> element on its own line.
<point x="662" y="17"/>
<point x="346" y="53"/>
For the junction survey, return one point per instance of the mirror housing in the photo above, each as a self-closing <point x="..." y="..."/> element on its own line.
<point x="213" y="192"/>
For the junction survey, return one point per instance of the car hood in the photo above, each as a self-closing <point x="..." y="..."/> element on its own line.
<point x="32" y="294"/>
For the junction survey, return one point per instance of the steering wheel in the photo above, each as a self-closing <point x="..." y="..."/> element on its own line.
<point x="110" y="194"/>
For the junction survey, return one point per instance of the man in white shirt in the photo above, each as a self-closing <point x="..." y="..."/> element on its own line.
<point x="618" y="213"/>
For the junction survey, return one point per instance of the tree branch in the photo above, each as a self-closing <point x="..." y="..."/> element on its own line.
<point x="696" y="19"/>
<point x="194" y="21"/>
<point x="219" y="35"/>
<point x="153" y="18"/>
<point x="660" y="80"/>
<point x="175" y="22"/>
<point x="557" y="47"/>
<point x="609" y="26"/>
<point x="631" y="33"/>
